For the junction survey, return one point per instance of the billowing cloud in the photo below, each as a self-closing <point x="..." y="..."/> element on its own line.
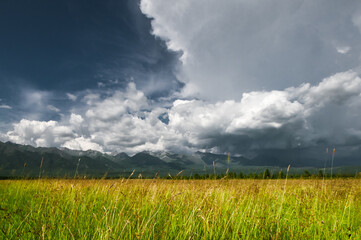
<point x="231" y="47"/>
<point x="118" y="104"/>
<point x="124" y="121"/>
<point x="337" y="89"/>
<point x="40" y="133"/>
<point x="83" y="144"/>
<point x="75" y="120"/>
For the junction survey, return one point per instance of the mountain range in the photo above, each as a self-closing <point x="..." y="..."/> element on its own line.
<point x="25" y="160"/>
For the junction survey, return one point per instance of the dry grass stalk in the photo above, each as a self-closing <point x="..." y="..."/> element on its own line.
<point x="180" y="172"/>
<point x="333" y="156"/>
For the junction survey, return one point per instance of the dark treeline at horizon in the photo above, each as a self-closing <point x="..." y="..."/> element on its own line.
<point x="196" y="176"/>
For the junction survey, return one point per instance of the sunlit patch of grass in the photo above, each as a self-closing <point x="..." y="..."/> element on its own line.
<point x="181" y="209"/>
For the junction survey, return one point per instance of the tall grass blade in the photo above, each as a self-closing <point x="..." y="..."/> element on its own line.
<point x="214" y="168"/>
<point x="333" y="156"/>
<point x="76" y="171"/>
<point x="41" y="166"/>
<point x="324" y="169"/>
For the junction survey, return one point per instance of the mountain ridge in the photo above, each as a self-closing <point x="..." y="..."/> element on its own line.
<point x="17" y="159"/>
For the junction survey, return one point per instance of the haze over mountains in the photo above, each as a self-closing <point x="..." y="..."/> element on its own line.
<point x="18" y="160"/>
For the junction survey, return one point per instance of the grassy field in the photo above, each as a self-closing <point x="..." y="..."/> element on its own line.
<point x="181" y="209"/>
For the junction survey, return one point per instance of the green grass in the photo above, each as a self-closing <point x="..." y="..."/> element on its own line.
<point x="182" y="209"/>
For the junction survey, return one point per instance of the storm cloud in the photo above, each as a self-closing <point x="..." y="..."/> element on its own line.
<point x="244" y="77"/>
<point x="231" y="47"/>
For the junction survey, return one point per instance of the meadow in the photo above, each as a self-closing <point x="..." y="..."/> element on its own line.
<point x="180" y="209"/>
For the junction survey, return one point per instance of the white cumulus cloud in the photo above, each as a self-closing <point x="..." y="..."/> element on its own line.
<point x="124" y="121"/>
<point x="40" y="133"/>
<point x="83" y="144"/>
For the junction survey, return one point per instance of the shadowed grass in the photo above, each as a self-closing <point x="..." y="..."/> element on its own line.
<point x="167" y="209"/>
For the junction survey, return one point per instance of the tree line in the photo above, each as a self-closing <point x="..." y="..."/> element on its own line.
<point x="267" y="175"/>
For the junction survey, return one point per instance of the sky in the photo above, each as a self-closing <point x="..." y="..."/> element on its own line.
<point x="238" y="76"/>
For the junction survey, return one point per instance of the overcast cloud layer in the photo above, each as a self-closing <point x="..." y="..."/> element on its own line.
<point x="257" y="76"/>
<point x="235" y="46"/>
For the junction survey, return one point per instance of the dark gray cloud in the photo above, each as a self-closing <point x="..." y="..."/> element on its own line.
<point x="252" y="78"/>
<point x="61" y="47"/>
<point x="239" y="46"/>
